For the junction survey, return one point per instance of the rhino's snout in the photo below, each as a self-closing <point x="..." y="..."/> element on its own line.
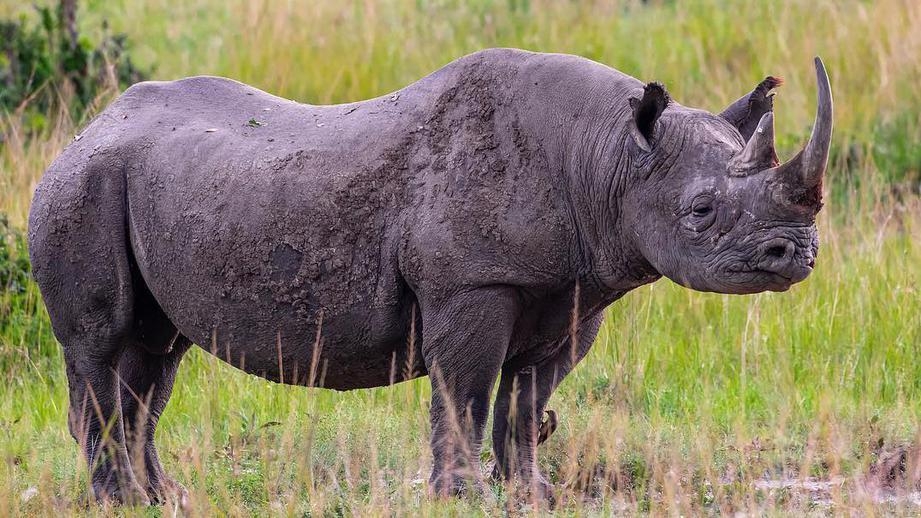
<point x="781" y="256"/>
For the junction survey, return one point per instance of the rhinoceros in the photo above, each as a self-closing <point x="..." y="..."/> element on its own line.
<point x="471" y="227"/>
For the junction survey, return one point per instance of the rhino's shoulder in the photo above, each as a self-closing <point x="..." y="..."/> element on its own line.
<point x="537" y="74"/>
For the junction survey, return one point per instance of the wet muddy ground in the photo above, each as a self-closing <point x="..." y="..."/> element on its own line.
<point x="894" y="478"/>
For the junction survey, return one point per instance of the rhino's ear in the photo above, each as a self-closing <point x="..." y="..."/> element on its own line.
<point x="646" y="112"/>
<point x="747" y="111"/>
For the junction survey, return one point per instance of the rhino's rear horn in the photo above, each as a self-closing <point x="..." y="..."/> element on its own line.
<point x="758" y="153"/>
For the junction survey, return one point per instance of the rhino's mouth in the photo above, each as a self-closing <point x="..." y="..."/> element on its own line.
<point x="776" y="281"/>
<point x="782" y="281"/>
<point x="754" y="280"/>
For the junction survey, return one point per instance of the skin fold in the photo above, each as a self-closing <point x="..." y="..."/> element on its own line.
<point x="470" y="227"/>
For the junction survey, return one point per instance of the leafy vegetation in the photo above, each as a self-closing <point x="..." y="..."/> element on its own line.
<point x="14" y="262"/>
<point x="47" y="63"/>
<point x="689" y="403"/>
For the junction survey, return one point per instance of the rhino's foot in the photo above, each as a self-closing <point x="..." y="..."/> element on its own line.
<point x="537" y="492"/>
<point x="541" y="491"/>
<point x="457" y="486"/>
<point x="168" y="491"/>
<point x="114" y="494"/>
<point x="534" y="489"/>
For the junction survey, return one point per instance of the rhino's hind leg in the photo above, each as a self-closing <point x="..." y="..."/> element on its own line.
<point x="147" y="383"/>
<point x="95" y="422"/>
<point x="147" y="370"/>
<point x="92" y="358"/>
<point x="465" y="340"/>
<point x="80" y="259"/>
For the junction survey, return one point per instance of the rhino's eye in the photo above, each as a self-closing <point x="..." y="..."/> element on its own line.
<point x="702" y="213"/>
<point x="701" y="210"/>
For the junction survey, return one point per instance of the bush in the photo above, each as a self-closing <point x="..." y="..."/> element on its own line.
<point x="14" y="258"/>
<point x="45" y="65"/>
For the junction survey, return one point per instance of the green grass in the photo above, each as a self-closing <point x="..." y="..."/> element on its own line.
<point x="687" y="399"/>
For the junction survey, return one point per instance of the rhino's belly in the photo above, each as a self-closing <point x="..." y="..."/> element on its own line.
<point x="281" y="292"/>
<point x="266" y="307"/>
<point x="292" y="329"/>
<point x="360" y="349"/>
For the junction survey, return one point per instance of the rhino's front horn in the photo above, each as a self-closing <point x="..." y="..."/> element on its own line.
<point x="809" y="164"/>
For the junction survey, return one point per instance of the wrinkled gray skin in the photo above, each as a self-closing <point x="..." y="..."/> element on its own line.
<point x="445" y="230"/>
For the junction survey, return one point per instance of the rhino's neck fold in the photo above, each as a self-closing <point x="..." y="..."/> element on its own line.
<point x="583" y="128"/>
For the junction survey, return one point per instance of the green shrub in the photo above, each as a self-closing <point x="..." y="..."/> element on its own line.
<point x="49" y="62"/>
<point x="896" y="151"/>
<point x="14" y="258"/>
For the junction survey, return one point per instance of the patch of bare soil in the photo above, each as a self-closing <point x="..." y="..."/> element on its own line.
<point x="817" y="492"/>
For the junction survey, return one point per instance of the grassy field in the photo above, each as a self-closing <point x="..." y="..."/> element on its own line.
<point x="807" y="401"/>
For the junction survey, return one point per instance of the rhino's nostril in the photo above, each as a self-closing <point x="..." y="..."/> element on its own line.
<point x="776" y="251"/>
<point x="777" y="254"/>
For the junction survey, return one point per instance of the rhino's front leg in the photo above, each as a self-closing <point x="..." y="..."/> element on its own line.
<point x="522" y="397"/>
<point x="465" y="339"/>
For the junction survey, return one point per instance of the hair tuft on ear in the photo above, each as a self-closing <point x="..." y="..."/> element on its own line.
<point x="764" y="87"/>
<point x="747" y="111"/>
<point x="646" y="111"/>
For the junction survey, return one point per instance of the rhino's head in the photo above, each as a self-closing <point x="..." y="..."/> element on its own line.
<point x="714" y="209"/>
